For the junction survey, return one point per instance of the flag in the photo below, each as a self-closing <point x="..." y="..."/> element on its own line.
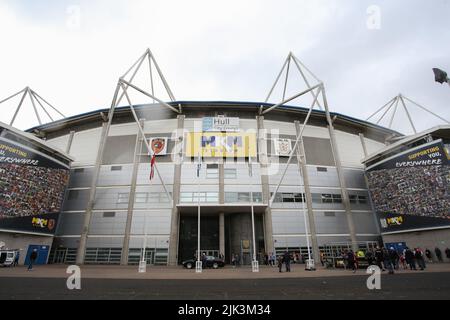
<point x="199" y="165"/>
<point x="152" y="170"/>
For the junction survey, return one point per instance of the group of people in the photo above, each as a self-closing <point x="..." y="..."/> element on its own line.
<point x="27" y="191"/>
<point x="390" y="259"/>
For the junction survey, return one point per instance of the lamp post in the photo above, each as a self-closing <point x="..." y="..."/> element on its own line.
<point x="441" y="76"/>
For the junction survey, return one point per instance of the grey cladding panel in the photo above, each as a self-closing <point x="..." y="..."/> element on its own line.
<point x="318" y="151"/>
<point x="119" y="150"/>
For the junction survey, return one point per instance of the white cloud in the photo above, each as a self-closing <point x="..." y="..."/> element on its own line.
<point x="209" y="50"/>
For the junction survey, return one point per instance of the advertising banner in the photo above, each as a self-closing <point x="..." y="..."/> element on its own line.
<point x="283" y="147"/>
<point x="158" y="146"/>
<point x="32" y="187"/>
<point x="221" y="124"/>
<point x="412" y="191"/>
<point x="222" y="145"/>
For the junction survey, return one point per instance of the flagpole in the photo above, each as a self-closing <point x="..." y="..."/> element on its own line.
<point x="198" y="267"/>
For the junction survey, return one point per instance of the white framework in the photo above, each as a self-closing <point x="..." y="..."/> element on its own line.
<point x="34" y="98"/>
<point x="393" y="106"/>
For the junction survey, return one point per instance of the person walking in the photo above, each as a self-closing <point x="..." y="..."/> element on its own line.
<point x="418" y="254"/>
<point x="33" y="258"/>
<point x="273" y="259"/>
<point x="391" y="260"/>
<point x="369" y="257"/>
<point x="447" y="253"/>
<point x="287" y="261"/>
<point x="16" y="259"/>
<point x="351" y="258"/>
<point x="233" y="260"/>
<point x="379" y="257"/>
<point x="280" y="264"/>
<point x="429" y="255"/>
<point x="409" y="257"/>
<point x="438" y="254"/>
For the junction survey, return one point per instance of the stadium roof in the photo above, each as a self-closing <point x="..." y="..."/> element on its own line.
<point x="96" y="115"/>
<point x="34" y="139"/>
<point x="442" y="131"/>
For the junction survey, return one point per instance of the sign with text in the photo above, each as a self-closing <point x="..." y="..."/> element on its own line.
<point x="221" y="145"/>
<point x="221" y="124"/>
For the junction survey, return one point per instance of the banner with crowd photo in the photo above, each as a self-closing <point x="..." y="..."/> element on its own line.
<point x="412" y="191"/>
<point x="32" y="187"/>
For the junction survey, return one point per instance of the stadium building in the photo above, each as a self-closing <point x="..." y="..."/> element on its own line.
<point x="264" y="178"/>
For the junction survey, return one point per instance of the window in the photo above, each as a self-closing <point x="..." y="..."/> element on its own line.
<point x="327" y="198"/>
<point x="330" y="214"/>
<point x="79" y="170"/>
<point x="362" y="199"/>
<point x="190" y="197"/>
<point x="289" y="197"/>
<point x="212" y="173"/>
<point x="109" y="214"/>
<point x="123" y="197"/>
<point x="116" y="168"/>
<point x="337" y="198"/>
<point x="322" y="169"/>
<point x="141" y="197"/>
<point x="73" y="194"/>
<point x="353" y="199"/>
<point x="230" y="173"/>
<point x="257" y="197"/>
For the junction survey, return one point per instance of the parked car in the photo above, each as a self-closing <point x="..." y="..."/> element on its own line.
<point x="211" y="262"/>
<point x="7" y="257"/>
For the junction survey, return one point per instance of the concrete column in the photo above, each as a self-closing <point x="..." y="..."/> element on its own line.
<point x="263" y="160"/>
<point x="126" y="239"/>
<point x="175" y="222"/>
<point x="69" y="143"/>
<point x="301" y="157"/>
<point x="363" y="143"/>
<point x="222" y="233"/>
<point x="88" y="215"/>
<point x="222" y="201"/>
<point x="340" y="172"/>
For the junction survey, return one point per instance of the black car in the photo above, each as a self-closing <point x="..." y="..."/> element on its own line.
<point x="211" y="262"/>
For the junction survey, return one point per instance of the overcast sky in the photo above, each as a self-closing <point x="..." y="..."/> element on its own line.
<point x="72" y="52"/>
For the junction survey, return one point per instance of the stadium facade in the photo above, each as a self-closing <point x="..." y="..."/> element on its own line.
<point x="129" y="211"/>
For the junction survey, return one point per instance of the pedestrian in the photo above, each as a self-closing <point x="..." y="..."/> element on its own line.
<point x="33" y="258"/>
<point x="273" y="259"/>
<point x="280" y="263"/>
<point x="429" y="255"/>
<point x="447" y="253"/>
<point x="345" y="259"/>
<point x="369" y="257"/>
<point x="287" y="261"/>
<point x="204" y="260"/>
<point x="379" y="258"/>
<point x="403" y="262"/>
<point x="16" y="259"/>
<point x="391" y="260"/>
<point x="418" y="254"/>
<point x="351" y="260"/>
<point x="322" y="258"/>
<point x="410" y="259"/>
<point x="438" y="254"/>
<point x="233" y="260"/>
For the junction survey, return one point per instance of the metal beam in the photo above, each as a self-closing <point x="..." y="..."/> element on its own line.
<point x="141" y="130"/>
<point x="148" y="95"/>
<point x="161" y="75"/>
<point x="46" y="102"/>
<point x="287" y="77"/>
<point x="43" y="108"/>
<point x="393" y="114"/>
<point x="34" y="107"/>
<point x="294" y="150"/>
<point x="291" y="98"/>
<point x="407" y="113"/>
<point x="373" y="115"/>
<point x="387" y="110"/>
<point x="16" y="94"/>
<point x="304" y="78"/>
<point x="141" y="60"/>
<point x="427" y="110"/>
<point x="278" y="78"/>
<point x="19" y="106"/>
